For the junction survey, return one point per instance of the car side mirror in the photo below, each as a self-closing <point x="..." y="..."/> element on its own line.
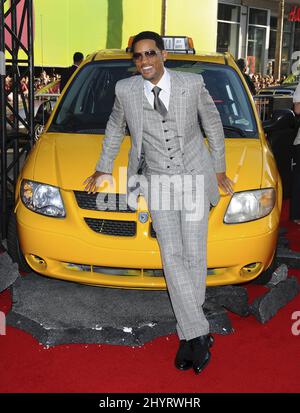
<point x="281" y="119"/>
<point x="43" y="113"/>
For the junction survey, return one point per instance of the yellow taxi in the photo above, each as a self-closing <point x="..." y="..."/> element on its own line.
<point x="60" y="231"/>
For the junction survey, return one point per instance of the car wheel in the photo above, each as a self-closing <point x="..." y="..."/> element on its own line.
<point x="13" y="246"/>
<point x="38" y="130"/>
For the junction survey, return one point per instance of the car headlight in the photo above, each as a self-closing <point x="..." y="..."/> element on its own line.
<point x="250" y="205"/>
<point x="42" y="198"/>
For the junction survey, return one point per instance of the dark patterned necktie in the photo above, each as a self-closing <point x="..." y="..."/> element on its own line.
<point x="158" y="105"/>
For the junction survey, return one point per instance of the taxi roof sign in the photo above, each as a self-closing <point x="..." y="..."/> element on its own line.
<point x="173" y="44"/>
<point x="178" y="44"/>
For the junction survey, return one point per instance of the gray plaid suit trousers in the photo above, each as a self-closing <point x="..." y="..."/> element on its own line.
<point x="182" y="243"/>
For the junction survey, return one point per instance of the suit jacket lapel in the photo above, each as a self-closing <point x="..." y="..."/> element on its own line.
<point x="136" y="98"/>
<point x="178" y="97"/>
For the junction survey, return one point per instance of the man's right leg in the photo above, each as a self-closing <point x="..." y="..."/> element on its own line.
<point x="191" y="322"/>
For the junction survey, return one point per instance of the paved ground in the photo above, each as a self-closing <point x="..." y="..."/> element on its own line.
<point x="58" y="312"/>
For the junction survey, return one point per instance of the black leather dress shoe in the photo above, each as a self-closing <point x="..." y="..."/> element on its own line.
<point x="184" y="356"/>
<point x="200" y="352"/>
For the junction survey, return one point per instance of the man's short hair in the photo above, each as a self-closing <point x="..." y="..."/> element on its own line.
<point x="149" y="36"/>
<point x="241" y="64"/>
<point x="77" y="57"/>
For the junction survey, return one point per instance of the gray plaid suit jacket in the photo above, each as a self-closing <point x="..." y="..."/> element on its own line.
<point x="192" y="101"/>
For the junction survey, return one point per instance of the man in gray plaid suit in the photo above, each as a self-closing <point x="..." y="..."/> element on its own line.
<point x="162" y="109"/>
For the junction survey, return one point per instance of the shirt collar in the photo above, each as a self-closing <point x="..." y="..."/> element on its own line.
<point x="164" y="83"/>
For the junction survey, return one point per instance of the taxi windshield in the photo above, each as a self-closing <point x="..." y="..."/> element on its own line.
<point x="88" y="102"/>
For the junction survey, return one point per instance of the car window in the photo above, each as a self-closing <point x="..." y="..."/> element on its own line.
<point x="87" y="104"/>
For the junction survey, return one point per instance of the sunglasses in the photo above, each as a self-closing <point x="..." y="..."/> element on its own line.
<point x="150" y="54"/>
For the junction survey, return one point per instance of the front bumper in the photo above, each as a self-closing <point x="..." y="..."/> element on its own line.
<point x="68" y="249"/>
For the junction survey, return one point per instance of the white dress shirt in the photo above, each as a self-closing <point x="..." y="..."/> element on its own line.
<point x="296" y="99"/>
<point x="164" y="84"/>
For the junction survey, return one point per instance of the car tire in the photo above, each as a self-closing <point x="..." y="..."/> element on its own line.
<point x="13" y="246"/>
<point x="38" y="130"/>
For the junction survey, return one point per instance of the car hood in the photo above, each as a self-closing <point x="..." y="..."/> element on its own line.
<point x="66" y="160"/>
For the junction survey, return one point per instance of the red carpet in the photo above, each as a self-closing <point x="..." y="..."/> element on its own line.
<point x="256" y="358"/>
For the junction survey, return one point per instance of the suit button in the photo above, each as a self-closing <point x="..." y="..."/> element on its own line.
<point x="166" y="130"/>
<point x="171" y="157"/>
<point x="167" y="140"/>
<point x="163" y="121"/>
<point x="169" y="149"/>
<point x="168" y="166"/>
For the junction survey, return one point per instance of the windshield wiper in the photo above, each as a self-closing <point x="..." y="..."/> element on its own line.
<point x="62" y="128"/>
<point x="240" y="131"/>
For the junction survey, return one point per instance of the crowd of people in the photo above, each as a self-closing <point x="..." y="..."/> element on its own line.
<point x="257" y="81"/>
<point x="41" y="81"/>
<point x="45" y="79"/>
<point x="262" y="81"/>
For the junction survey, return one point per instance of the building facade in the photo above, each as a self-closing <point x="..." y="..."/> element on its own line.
<point x="62" y="27"/>
<point x="247" y="28"/>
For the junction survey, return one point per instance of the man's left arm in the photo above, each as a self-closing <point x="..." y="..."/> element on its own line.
<point x="212" y="125"/>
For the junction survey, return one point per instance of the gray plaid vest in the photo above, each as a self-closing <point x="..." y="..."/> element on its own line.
<point x="160" y="141"/>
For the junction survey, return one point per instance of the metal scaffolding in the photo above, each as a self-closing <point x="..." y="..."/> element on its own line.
<point x="16" y="108"/>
